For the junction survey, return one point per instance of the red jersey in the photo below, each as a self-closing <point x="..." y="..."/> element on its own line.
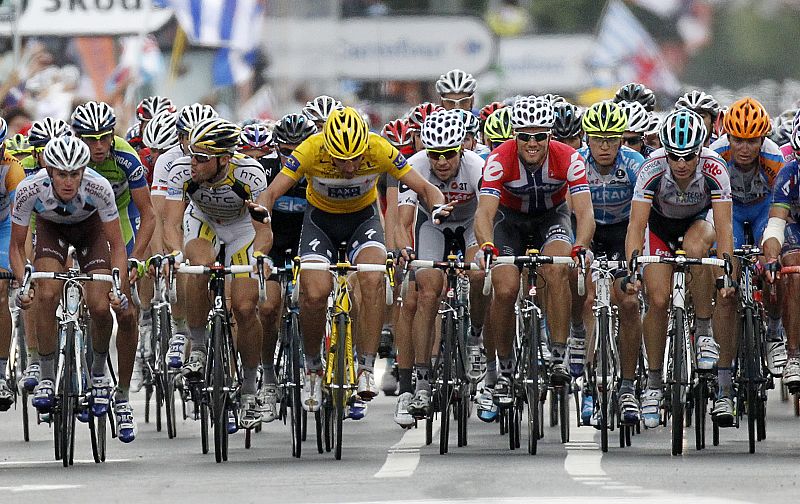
<point x="533" y="191"/>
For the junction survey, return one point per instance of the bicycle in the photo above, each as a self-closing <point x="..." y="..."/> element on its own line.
<point x="680" y="357"/>
<point x="604" y="374"/>
<point x="223" y="373"/>
<point x="289" y="366"/>
<point x="452" y="385"/>
<point x="339" y="376"/>
<point x="530" y="378"/>
<point x="72" y="373"/>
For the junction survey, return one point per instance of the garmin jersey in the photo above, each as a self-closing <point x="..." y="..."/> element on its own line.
<point x="35" y="195"/>
<point x="29" y="165"/>
<point x="786" y="193"/>
<point x="161" y="170"/>
<point x="223" y="201"/>
<point x="533" y="191"/>
<point x="655" y="185"/>
<point x="123" y="169"/>
<point x="328" y="189"/>
<point x="11" y="174"/>
<point x="612" y="193"/>
<point x="482" y="150"/>
<point x="461" y="191"/>
<point x="754" y="186"/>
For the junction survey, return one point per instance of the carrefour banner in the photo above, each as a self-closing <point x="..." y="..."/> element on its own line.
<point x="403" y="47"/>
<point x="81" y="17"/>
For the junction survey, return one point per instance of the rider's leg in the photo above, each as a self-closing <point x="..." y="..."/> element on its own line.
<point x="558" y="298"/>
<point x="197" y="251"/>
<point x="269" y="314"/>
<point x="244" y="302"/>
<point x="429" y="289"/>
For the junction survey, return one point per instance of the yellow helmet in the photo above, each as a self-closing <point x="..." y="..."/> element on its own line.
<point x="605" y="117"/>
<point x="345" y="134"/>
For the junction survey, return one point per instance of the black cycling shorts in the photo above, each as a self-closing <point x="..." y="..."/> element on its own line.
<point x="323" y="232"/>
<point x="514" y="232"/>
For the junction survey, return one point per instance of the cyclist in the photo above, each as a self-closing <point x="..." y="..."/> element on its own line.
<point x="497" y="128"/>
<point x="638" y="124"/>
<point x="207" y="193"/>
<point x="456" y="90"/>
<point x="487" y="110"/>
<point x="342" y="165"/>
<point x="417" y="116"/>
<point x="19" y="147"/>
<point x="187" y="117"/>
<point x="456" y="172"/>
<point x="611" y="170"/>
<point x="781" y="242"/>
<point x="113" y="158"/>
<point x="635" y="92"/>
<point x="11" y="173"/>
<point x="567" y="128"/>
<point x="705" y="105"/>
<point x="320" y="108"/>
<point x="753" y="162"/>
<point x="683" y="190"/>
<point x="74" y="206"/>
<point x="524" y="191"/>
<point x="792" y="147"/>
<point x="472" y="125"/>
<point x="39" y="134"/>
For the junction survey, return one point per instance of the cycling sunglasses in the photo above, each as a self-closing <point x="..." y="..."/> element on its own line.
<point x="637" y="140"/>
<point x="686" y="157"/>
<point x="202" y="157"/>
<point x="96" y="136"/>
<point x="539" y="137"/>
<point x="454" y="102"/>
<point x="601" y="139"/>
<point x="447" y="154"/>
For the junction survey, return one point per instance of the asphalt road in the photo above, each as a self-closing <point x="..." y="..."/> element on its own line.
<point x="382" y="463"/>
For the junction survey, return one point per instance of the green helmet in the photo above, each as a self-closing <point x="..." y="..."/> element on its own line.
<point x="498" y="125"/>
<point x="18" y="144"/>
<point x="605" y="117"/>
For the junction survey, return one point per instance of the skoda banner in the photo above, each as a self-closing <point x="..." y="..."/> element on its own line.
<point x="396" y="48"/>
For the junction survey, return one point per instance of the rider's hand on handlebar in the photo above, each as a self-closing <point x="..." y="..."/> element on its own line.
<point x="772" y="270"/>
<point x="24" y="302"/>
<point x="405" y="255"/>
<point x="118" y="304"/>
<point x="258" y="213"/>
<point x="440" y="213"/>
<point x="485" y="254"/>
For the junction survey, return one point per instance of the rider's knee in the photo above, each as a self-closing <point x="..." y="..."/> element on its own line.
<point x="99" y="307"/>
<point x="658" y="300"/>
<point x="629" y="307"/>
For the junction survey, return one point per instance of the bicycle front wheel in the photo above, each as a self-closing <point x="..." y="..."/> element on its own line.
<point x="340" y="383"/>
<point x="219" y="414"/>
<point x="532" y="384"/>
<point x="295" y="405"/>
<point x="446" y="385"/>
<point x="67" y="398"/>
<point x="602" y="389"/>
<point x="676" y="387"/>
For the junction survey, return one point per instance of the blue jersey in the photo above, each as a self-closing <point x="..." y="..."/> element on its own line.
<point x="612" y="193"/>
<point x="786" y="193"/>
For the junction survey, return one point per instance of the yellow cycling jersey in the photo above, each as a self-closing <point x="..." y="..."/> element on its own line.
<point x="328" y="189"/>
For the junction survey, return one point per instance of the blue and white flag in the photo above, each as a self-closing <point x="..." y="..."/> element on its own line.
<point x="625" y="52"/>
<point x="234" y="26"/>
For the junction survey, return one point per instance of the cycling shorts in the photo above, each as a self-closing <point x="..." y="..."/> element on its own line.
<point x="792" y="238"/>
<point x="663" y="233"/>
<point x="609" y="241"/>
<point x="88" y="238"/>
<point x="434" y="243"/>
<point x="237" y="235"/>
<point x="5" y="241"/>
<point x="756" y="214"/>
<point x="514" y="231"/>
<point x="323" y="232"/>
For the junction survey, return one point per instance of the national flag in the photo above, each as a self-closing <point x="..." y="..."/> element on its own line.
<point x="625" y="52"/>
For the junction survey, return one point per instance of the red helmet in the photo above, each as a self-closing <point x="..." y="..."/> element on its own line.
<point x="418" y="114"/>
<point x="397" y="132"/>
<point x="487" y="110"/>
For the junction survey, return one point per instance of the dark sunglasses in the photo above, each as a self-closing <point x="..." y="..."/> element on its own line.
<point x="497" y="144"/>
<point x="686" y="157"/>
<point x="447" y="154"/>
<point x="539" y="137"/>
<point x="605" y="139"/>
<point x="637" y="140"/>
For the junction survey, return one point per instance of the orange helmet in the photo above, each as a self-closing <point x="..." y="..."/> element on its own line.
<point x="747" y="118"/>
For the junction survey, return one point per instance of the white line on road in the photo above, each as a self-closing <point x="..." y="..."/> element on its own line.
<point x="403" y="457"/>
<point x="37" y="488"/>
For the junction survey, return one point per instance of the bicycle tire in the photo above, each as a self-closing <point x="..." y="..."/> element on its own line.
<point x="148" y="394"/>
<point x="318" y="424"/>
<point x="446" y="385"/>
<point x="676" y="392"/>
<point x="295" y="404"/>
<point x="563" y="411"/>
<point x="751" y="377"/>
<point x="339" y="392"/>
<point x="532" y="351"/>
<point x="602" y="393"/>
<point x="67" y="396"/>
<point x="21" y="366"/>
<point x="219" y="415"/>
<point x="204" y="418"/>
<point x="327" y="417"/>
<point x="700" y="410"/>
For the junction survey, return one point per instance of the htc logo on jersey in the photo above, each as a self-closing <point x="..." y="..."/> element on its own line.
<point x="206" y="197"/>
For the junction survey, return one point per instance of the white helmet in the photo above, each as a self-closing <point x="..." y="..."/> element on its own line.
<point x="67" y="153"/>
<point x="456" y="81"/>
<point x="532" y="113"/>
<point x="443" y="130"/>
<point x="699" y="101"/>
<point x="192" y="114"/>
<point x="160" y="132"/>
<point x="794" y="138"/>
<point x="321" y="107"/>
<point x="638" y="116"/>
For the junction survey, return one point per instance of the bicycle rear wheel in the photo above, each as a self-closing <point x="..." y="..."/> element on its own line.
<point x="751" y="378"/>
<point x="293" y="373"/>
<point x="67" y="398"/>
<point x="676" y="387"/>
<point x="602" y="388"/>
<point x="339" y="390"/>
<point x="700" y="410"/>
<point x="531" y="375"/>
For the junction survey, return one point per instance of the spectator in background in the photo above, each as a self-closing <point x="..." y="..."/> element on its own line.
<point x="18" y="121"/>
<point x="507" y="19"/>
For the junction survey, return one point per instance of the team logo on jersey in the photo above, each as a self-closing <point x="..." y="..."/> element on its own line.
<point x="344" y="192"/>
<point x="712" y="169"/>
<point x="493" y="170"/>
<point x="291" y="163"/>
<point x="399" y="162"/>
<point x="620" y="173"/>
